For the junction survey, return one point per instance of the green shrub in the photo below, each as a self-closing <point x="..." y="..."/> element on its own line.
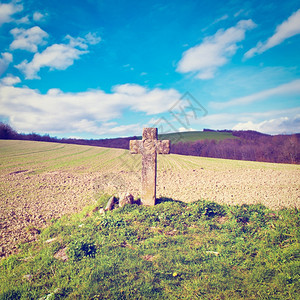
<point x="80" y="248"/>
<point x="11" y="295"/>
<point x="207" y="209"/>
<point x="110" y="222"/>
<point x="249" y="213"/>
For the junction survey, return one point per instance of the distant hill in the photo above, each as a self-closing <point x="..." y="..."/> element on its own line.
<point x="245" y="145"/>
<point x="192" y="136"/>
<point x="238" y="145"/>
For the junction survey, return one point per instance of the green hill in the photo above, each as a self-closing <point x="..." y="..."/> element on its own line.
<point x="191" y="136"/>
<point x="173" y="250"/>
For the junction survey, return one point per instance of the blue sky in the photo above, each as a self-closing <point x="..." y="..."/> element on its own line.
<point x="99" y="68"/>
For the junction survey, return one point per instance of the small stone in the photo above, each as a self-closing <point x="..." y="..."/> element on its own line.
<point x="111" y="203"/>
<point x="213" y="252"/>
<point x="126" y="199"/>
<point x="62" y="254"/>
<point x="50" y="240"/>
<point x="28" y="277"/>
<point x="148" y="257"/>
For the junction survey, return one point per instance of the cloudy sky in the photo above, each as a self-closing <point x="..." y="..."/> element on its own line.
<point x="107" y="68"/>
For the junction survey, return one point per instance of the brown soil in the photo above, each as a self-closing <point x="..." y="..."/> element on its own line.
<point x="29" y="201"/>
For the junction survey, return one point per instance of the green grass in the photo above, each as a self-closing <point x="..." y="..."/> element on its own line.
<point x="174" y="250"/>
<point x="191" y="136"/>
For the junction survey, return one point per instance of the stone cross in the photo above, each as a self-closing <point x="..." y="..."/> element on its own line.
<point x="149" y="146"/>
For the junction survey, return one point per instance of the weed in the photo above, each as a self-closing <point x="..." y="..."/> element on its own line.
<point x="111" y="222"/>
<point x="80" y="248"/>
<point x="207" y="209"/>
<point x="11" y="295"/>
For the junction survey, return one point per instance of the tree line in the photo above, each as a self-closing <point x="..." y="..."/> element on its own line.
<point x="8" y="133"/>
<point x="249" y="145"/>
<point x="245" y="145"/>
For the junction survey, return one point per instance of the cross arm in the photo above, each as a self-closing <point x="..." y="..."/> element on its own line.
<point x="135" y="146"/>
<point x="163" y="147"/>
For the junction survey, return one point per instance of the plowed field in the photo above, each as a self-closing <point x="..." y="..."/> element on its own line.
<point x="40" y="181"/>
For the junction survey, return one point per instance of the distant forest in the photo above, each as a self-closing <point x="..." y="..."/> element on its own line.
<point x="247" y="145"/>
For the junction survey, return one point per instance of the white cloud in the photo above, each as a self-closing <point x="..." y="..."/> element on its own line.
<point x="149" y="101"/>
<point x="271" y="122"/>
<point x="130" y="89"/>
<point x="57" y="56"/>
<point x="287" y="29"/>
<point x="10" y="80"/>
<point x="224" y="17"/>
<point x="183" y="129"/>
<point x="5" y="61"/>
<point x="273" y="126"/>
<point x="7" y="10"/>
<point x="28" y="39"/>
<point x="77" y="42"/>
<point x="24" y="20"/>
<point x="89" y="39"/>
<point x="214" y="52"/>
<point x="37" y="16"/>
<point x="290" y="88"/>
<point x="108" y="129"/>
<point x="92" y="38"/>
<point x="124" y="129"/>
<point x="128" y="66"/>
<point x="92" y="111"/>
<point x="238" y="13"/>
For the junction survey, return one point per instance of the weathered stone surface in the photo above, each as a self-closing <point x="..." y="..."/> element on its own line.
<point x="28" y="277"/>
<point x="126" y="198"/>
<point x="111" y="203"/>
<point x="163" y="147"/>
<point x="149" y="146"/>
<point x="62" y="254"/>
<point x="51" y="240"/>
<point x="134" y="146"/>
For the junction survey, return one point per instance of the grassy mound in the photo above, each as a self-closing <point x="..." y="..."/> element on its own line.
<point x="174" y="250"/>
